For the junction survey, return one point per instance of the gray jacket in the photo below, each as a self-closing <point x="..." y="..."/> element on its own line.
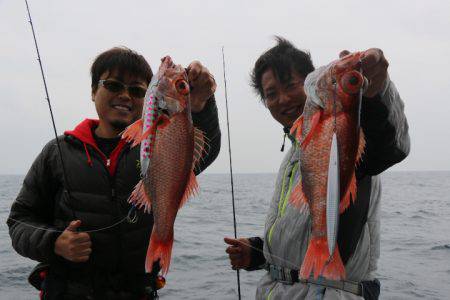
<point x="287" y="230"/>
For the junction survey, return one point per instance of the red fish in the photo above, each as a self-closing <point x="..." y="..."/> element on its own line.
<point x="332" y="108"/>
<point x="170" y="150"/>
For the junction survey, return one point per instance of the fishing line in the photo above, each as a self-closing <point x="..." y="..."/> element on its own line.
<point x="78" y="231"/>
<point x="231" y="165"/>
<point x="288" y="262"/>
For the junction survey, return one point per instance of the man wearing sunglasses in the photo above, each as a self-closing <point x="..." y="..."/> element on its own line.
<point x="91" y="250"/>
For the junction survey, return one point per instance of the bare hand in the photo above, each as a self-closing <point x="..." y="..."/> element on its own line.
<point x="239" y="252"/>
<point x="72" y="245"/>
<point x="202" y="85"/>
<point x="374" y="67"/>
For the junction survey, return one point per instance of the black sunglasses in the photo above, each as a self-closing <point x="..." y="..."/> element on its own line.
<point x="114" y="86"/>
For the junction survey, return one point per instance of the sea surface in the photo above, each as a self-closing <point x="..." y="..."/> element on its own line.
<point x="415" y="238"/>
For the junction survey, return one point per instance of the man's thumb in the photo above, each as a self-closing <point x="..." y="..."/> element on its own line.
<point x="73" y="225"/>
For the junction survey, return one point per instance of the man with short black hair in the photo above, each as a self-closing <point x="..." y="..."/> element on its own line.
<point x="278" y="77"/>
<point x="72" y="217"/>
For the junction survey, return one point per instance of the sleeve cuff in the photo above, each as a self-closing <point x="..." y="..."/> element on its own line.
<point x="257" y="260"/>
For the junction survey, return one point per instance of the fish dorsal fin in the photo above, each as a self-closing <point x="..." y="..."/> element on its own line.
<point x="361" y="146"/>
<point x="315" y="119"/>
<point x="201" y="143"/>
<point x="191" y="189"/>
<point x="350" y="192"/>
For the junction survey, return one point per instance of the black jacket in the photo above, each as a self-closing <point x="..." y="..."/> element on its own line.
<point x="96" y="192"/>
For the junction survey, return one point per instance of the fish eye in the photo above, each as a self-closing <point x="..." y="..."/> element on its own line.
<point x="351" y="82"/>
<point x="182" y="86"/>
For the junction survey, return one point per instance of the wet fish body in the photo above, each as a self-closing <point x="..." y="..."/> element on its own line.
<point x="170" y="147"/>
<point x="330" y="118"/>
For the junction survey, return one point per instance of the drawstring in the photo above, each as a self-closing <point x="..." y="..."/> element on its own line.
<point x="286" y="131"/>
<point x="89" y="160"/>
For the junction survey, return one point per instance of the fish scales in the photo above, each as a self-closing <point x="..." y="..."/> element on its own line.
<point x="169" y="172"/>
<point x="168" y="139"/>
<point x="331" y="108"/>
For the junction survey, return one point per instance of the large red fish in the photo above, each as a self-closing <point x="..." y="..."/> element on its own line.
<point x="331" y="112"/>
<point x="170" y="150"/>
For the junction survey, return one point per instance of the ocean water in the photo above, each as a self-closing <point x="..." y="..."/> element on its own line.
<point x="415" y="238"/>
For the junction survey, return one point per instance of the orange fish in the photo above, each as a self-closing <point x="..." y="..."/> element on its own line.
<point x="331" y="113"/>
<point x="170" y="150"/>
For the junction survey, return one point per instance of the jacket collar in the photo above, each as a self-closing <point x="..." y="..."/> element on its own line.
<point x="83" y="131"/>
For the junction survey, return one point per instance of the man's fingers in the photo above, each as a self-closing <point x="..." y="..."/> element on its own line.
<point x="233" y="242"/>
<point x="236" y="257"/>
<point x="82" y="246"/>
<point x="81" y="237"/>
<point x="81" y="259"/>
<point x="376" y="85"/>
<point x="193" y="71"/>
<point x="233" y="250"/>
<point x="344" y="53"/>
<point x="371" y="57"/>
<point x="85" y="252"/>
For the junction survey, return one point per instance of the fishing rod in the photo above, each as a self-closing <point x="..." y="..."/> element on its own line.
<point x="66" y="182"/>
<point x="231" y="165"/>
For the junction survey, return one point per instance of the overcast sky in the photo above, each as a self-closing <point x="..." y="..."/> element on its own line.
<point x="414" y="36"/>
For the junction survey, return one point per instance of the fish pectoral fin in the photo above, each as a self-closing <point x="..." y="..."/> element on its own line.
<point x="200" y="147"/>
<point x="139" y="197"/>
<point x="296" y="129"/>
<point x="162" y="121"/>
<point x="133" y="132"/>
<point x="314" y="125"/>
<point x="191" y="189"/>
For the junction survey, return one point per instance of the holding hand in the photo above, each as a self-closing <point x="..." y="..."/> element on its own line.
<point x="72" y="245"/>
<point x="374" y="67"/>
<point x="239" y="252"/>
<point x="202" y="85"/>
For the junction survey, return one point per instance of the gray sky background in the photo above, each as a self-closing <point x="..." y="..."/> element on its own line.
<point x="414" y="36"/>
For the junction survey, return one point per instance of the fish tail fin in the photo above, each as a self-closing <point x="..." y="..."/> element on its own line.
<point x="350" y="194"/>
<point x="298" y="198"/>
<point x="159" y="250"/>
<point x="191" y="189"/>
<point x="314" y="126"/>
<point x="296" y="129"/>
<point x="318" y="261"/>
<point x="139" y="197"/>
